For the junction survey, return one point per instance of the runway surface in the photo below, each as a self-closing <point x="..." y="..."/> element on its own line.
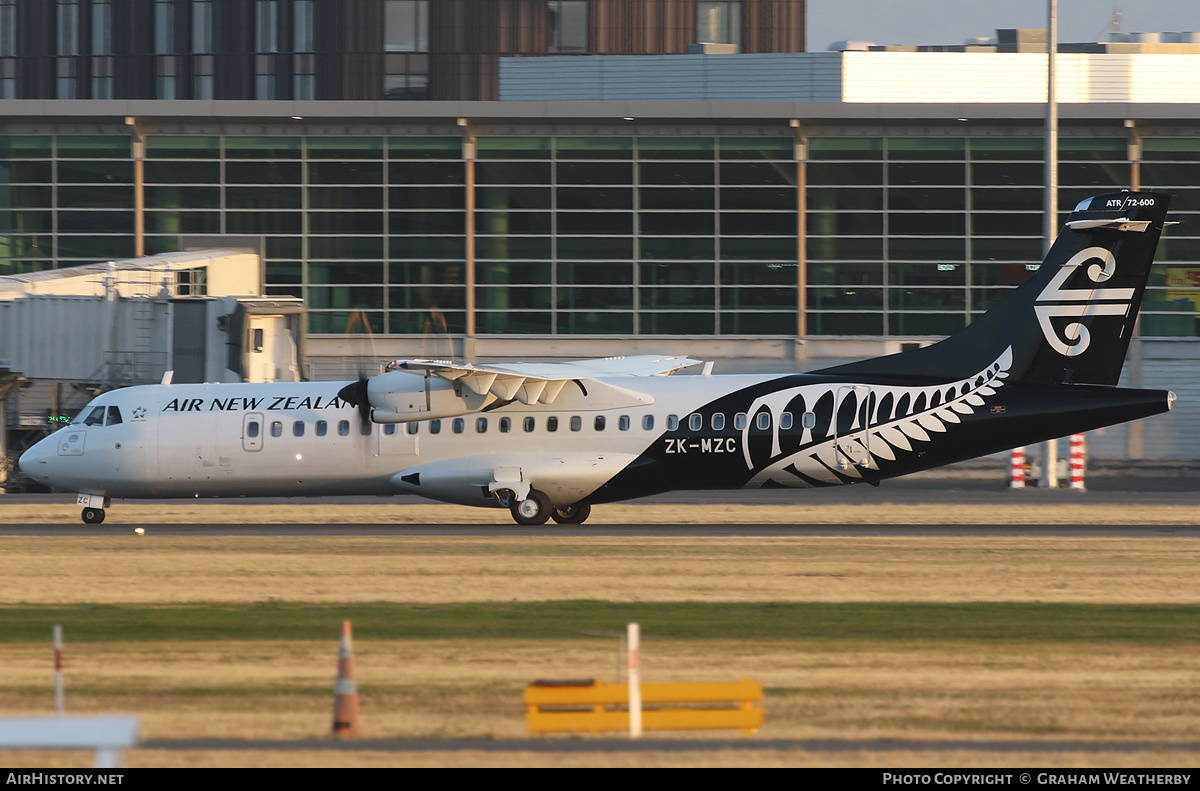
<point x="602" y="531"/>
<point x="976" y="490"/>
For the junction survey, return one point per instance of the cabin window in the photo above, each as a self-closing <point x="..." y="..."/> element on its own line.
<point x="695" y="421"/>
<point x="739" y="421"/>
<point x="648" y="422"/>
<point x="322" y="428"/>
<point x="672" y="422"/>
<point x="252" y="429"/>
<point x="529" y="423"/>
<point x="412" y="428"/>
<point x="343" y="428"/>
<point x="459" y="425"/>
<point x="718" y="421"/>
<point x="809" y="420"/>
<point x="505" y="425"/>
<point x="598" y="423"/>
<point x="298" y="428"/>
<point x="576" y="422"/>
<point x="552" y="424"/>
<point x="623" y="423"/>
<point x="114" y="416"/>
<point x="435" y="426"/>
<point x="763" y="420"/>
<point x="785" y="421"/>
<point x="276" y="428"/>
<point x="480" y="425"/>
<point x="365" y="428"/>
<point x="95" y="417"/>
<point x="389" y="429"/>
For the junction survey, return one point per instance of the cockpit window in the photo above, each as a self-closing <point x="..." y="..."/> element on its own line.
<point x="95" y="417"/>
<point x="114" y="416"/>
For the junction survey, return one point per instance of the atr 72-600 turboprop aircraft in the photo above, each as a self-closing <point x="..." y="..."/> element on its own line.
<point x="552" y="440"/>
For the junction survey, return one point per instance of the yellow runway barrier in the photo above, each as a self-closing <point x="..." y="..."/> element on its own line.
<point x="593" y="706"/>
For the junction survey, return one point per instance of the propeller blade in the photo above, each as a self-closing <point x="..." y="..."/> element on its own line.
<point x="355" y="394"/>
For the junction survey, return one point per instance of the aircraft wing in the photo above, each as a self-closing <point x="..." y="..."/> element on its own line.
<point x="541" y="382"/>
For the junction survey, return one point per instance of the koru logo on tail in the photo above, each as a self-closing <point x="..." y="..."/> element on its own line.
<point x="1057" y="301"/>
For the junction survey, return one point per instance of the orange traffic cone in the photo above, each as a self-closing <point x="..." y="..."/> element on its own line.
<point x="345" y="693"/>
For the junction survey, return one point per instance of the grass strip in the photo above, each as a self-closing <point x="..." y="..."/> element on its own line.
<point x="972" y="621"/>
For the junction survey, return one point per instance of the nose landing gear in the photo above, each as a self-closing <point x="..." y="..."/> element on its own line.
<point x="93" y="507"/>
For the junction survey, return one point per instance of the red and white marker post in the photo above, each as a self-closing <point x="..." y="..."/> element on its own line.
<point x="1078" y="460"/>
<point x="1016" y="479"/>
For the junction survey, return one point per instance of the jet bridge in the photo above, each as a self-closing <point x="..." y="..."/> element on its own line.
<point x="69" y="334"/>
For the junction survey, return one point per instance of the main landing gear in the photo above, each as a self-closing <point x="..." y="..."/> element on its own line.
<point x="93" y="516"/>
<point x="572" y="514"/>
<point x="536" y="510"/>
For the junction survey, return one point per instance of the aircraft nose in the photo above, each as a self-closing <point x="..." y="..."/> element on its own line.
<point x="35" y="462"/>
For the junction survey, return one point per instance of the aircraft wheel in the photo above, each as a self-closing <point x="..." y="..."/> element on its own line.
<point x="533" y="510"/>
<point x="572" y="514"/>
<point x="93" y="516"/>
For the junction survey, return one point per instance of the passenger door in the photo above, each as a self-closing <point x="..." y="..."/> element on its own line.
<point x="253" y="429"/>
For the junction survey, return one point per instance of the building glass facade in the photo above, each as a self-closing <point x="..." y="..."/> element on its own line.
<point x="642" y="233"/>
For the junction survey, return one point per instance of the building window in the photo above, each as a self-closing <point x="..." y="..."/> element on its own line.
<point x="164" y="75"/>
<point x="68" y="27"/>
<point x="719" y="23"/>
<point x="202" y="77"/>
<point x="304" y="77"/>
<point x="266" y="26"/>
<point x="102" y="78"/>
<point x="65" y="78"/>
<point x="567" y="26"/>
<point x="406" y="26"/>
<point x="264" y="77"/>
<point x="406" y="29"/>
<point x="406" y="76"/>
<point x="303" y="32"/>
<point x="8" y="78"/>
<point x="8" y="28"/>
<point x="202" y="27"/>
<point x="164" y="28"/>
<point x="101" y="28"/>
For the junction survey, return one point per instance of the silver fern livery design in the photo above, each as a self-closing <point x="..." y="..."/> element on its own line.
<point x="550" y="440"/>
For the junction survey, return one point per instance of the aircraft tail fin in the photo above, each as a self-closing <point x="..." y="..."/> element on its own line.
<point x="1068" y="324"/>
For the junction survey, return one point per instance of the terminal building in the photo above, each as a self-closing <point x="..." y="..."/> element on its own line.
<point x="777" y="232"/>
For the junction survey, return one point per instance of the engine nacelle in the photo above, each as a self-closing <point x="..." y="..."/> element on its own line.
<point x="566" y="477"/>
<point x="399" y="397"/>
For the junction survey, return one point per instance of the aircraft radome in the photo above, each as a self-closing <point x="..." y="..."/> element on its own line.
<point x="553" y="440"/>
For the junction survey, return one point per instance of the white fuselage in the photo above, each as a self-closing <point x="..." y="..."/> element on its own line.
<point x="601" y="439"/>
<point x="195" y="440"/>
